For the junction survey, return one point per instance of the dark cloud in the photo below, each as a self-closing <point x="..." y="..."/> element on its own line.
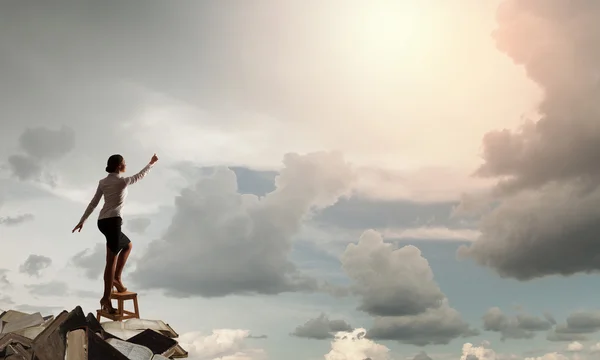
<point x="389" y="281"/>
<point x="53" y="288"/>
<point x="437" y="326"/>
<point x="422" y="356"/>
<point x="521" y="326"/>
<point x="397" y="287"/>
<point x="25" y="168"/>
<point x="138" y="225"/>
<point x="548" y="232"/>
<point x="4" y="283"/>
<point x="221" y="242"/>
<point x="47" y="144"/>
<point x="321" y="328"/>
<point x="16" y="220"/>
<point x="91" y="261"/>
<point x="41" y="146"/>
<point x="577" y="326"/>
<point x="565" y="337"/>
<point x="34" y="264"/>
<point x="559" y="52"/>
<point x="547" y="219"/>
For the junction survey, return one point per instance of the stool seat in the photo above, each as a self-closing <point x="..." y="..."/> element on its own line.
<point x="126" y="295"/>
<point x="121" y="314"/>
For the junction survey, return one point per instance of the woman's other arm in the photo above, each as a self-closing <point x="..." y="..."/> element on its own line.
<point x="90" y="208"/>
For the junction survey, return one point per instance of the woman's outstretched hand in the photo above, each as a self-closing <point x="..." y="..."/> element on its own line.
<point x="154" y="159"/>
<point x="78" y="227"/>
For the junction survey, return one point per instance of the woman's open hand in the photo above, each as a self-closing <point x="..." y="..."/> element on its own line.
<point x="78" y="227"/>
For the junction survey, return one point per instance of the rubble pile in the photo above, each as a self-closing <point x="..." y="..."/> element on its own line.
<point x="75" y="336"/>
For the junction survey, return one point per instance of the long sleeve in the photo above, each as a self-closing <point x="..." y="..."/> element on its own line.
<point x="137" y="177"/>
<point x="92" y="205"/>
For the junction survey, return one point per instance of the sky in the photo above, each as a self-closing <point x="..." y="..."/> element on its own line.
<point x="337" y="180"/>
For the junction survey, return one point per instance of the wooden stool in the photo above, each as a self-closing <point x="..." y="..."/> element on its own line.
<point x="121" y="314"/>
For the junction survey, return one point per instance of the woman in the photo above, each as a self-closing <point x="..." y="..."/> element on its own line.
<point x="118" y="246"/>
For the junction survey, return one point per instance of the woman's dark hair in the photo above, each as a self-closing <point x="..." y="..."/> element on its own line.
<point x="113" y="163"/>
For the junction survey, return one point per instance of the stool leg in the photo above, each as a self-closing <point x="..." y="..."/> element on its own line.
<point x="135" y="306"/>
<point x="120" y="309"/>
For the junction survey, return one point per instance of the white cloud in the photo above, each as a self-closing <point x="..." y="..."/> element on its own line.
<point x="432" y="233"/>
<point x="480" y="352"/>
<point x="575" y="346"/>
<point x="549" y="356"/>
<point x="221" y="344"/>
<point x="354" y="346"/>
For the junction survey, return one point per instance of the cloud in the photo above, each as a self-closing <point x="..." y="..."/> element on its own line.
<point x="397" y="288"/>
<point x="53" y="288"/>
<point x="575" y="347"/>
<point x="321" y="328"/>
<point x="92" y="261"/>
<point x="354" y="346"/>
<point x="226" y="344"/>
<point x="41" y="145"/>
<point x="422" y="356"/>
<point x="567" y="133"/>
<point x="432" y="233"/>
<point x="527" y="236"/>
<point x="521" y="326"/>
<point x="434" y="326"/>
<point x="389" y="281"/>
<point x="138" y="225"/>
<point x="547" y="218"/>
<point x="221" y="242"/>
<point x="549" y="356"/>
<point x="25" y="168"/>
<point x="34" y="264"/>
<point x="472" y="352"/>
<point x="359" y="212"/>
<point x="577" y="326"/>
<point x="16" y="220"/>
<point x="4" y="283"/>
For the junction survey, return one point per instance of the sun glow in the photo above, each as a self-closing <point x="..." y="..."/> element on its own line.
<point x="383" y="33"/>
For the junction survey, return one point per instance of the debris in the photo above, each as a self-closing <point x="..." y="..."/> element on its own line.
<point x="75" y="336"/>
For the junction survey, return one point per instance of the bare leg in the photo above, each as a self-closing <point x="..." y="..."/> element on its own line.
<point x="109" y="274"/>
<point x="121" y="261"/>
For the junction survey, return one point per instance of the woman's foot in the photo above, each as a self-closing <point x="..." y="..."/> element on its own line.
<point x="106" y="305"/>
<point x="119" y="285"/>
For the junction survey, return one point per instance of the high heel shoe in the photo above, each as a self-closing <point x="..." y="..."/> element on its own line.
<point x="120" y="288"/>
<point x="107" y="306"/>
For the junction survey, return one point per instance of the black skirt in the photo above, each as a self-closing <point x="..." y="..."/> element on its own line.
<point x="115" y="239"/>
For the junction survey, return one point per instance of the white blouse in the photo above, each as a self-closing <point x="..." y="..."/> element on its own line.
<point x="114" y="189"/>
